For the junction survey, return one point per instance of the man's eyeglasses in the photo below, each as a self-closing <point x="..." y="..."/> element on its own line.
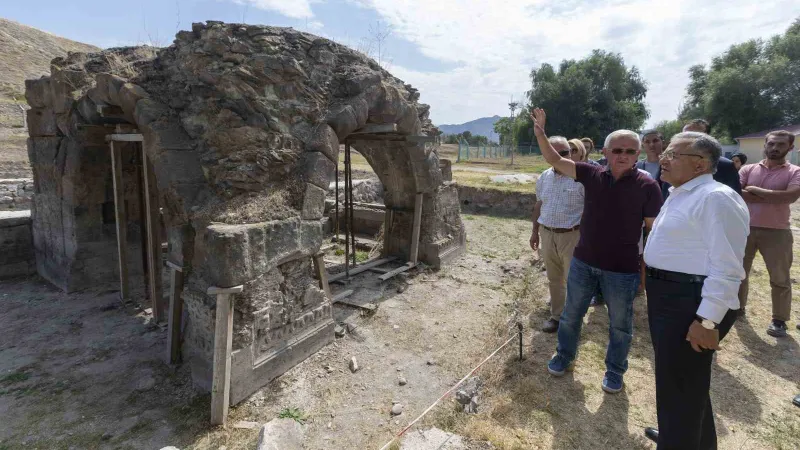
<point x="669" y="155"/>
<point x="627" y="151"/>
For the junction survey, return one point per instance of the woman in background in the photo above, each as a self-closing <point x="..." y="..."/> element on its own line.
<point x="739" y="160"/>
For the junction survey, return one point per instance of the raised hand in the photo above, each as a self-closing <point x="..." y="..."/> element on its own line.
<point x="539" y="118"/>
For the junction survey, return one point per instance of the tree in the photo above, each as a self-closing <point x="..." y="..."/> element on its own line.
<point x="669" y="128"/>
<point x="752" y="86"/>
<point x="590" y="97"/>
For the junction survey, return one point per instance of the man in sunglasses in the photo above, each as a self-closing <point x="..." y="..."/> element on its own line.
<point x="694" y="258"/>
<point x="556" y="220"/>
<point x="618" y="198"/>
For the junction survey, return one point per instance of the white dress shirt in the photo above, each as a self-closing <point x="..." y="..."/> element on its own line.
<point x="702" y="230"/>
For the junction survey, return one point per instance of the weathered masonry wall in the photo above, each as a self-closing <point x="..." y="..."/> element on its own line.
<point x="16" y="193"/>
<point x="241" y="127"/>
<point x="16" y="244"/>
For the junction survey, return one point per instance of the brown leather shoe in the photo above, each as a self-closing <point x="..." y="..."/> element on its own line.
<point x="550" y="325"/>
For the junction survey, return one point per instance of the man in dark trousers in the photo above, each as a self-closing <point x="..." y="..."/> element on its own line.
<point x="694" y="258"/>
<point x="618" y="198"/>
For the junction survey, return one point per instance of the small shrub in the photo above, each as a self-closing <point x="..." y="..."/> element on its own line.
<point x="293" y="413"/>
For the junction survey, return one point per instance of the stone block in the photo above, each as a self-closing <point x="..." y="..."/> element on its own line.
<point x="343" y="120"/>
<point x="110" y="85"/>
<point x="313" y="203"/>
<point x="317" y="169"/>
<point x="148" y="110"/>
<point x="129" y="96"/>
<point x="235" y="254"/>
<point x="164" y="135"/>
<point x="248" y="376"/>
<point x="324" y="140"/>
<point x="175" y="166"/>
<point x="37" y="93"/>
<point x="42" y="122"/>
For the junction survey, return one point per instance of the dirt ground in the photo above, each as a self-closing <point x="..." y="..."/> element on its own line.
<point x="83" y="371"/>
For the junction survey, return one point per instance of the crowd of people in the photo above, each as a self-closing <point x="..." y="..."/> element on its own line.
<point x="684" y="225"/>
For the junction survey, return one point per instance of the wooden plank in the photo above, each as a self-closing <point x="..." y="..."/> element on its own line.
<point x="387" y="231"/>
<point x="341" y="295"/>
<point x="221" y="375"/>
<point x="114" y="110"/>
<point x="376" y="128"/>
<point x="153" y="240"/>
<point x="322" y="274"/>
<point x="121" y="220"/>
<point x="175" y="314"/>
<point x="415" y="232"/>
<point x="362" y="268"/>
<point x="214" y="290"/>
<point x="131" y="137"/>
<point x="380" y="270"/>
<point x="399" y="270"/>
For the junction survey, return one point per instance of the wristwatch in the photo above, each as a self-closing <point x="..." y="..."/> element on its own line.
<point x="707" y="324"/>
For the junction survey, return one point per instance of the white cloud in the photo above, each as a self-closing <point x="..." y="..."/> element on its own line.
<point x="296" y="9"/>
<point x="496" y="44"/>
<point x="315" y="25"/>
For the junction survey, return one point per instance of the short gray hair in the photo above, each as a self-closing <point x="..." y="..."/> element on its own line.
<point x="704" y="144"/>
<point x="626" y="134"/>
<point x="558" y="140"/>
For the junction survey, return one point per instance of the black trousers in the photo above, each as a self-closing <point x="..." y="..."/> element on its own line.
<point x="683" y="376"/>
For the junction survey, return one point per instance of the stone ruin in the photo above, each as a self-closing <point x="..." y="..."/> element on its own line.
<point x="242" y="126"/>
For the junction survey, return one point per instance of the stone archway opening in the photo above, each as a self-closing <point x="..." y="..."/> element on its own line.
<point x="242" y="126"/>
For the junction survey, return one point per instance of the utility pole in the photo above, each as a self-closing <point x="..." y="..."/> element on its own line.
<point x="513" y="107"/>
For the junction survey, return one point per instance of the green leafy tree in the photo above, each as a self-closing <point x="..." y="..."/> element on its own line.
<point x="590" y="97"/>
<point x="669" y="128"/>
<point x="752" y="86"/>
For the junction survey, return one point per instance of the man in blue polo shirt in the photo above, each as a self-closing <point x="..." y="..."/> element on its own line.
<point x="618" y="198"/>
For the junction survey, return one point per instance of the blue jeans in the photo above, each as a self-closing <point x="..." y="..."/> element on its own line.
<point x="619" y="290"/>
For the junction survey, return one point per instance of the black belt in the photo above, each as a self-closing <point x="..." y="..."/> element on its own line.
<point x="675" y="277"/>
<point x="562" y="230"/>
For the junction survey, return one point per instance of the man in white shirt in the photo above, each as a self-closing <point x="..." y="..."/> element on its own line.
<point x="556" y="221"/>
<point x="694" y="263"/>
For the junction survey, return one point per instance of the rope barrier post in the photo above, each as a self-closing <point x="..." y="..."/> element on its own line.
<point x="519" y="327"/>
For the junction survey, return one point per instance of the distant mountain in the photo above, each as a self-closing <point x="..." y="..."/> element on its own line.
<point x="483" y="126"/>
<point x="26" y="53"/>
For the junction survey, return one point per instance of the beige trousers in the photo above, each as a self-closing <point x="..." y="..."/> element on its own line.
<point x="775" y="247"/>
<point x="556" y="251"/>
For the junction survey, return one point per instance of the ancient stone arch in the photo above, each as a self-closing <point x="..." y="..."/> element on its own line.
<point x="242" y="126"/>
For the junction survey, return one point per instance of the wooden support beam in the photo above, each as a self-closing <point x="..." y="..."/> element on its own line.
<point x="388" y="218"/>
<point x="408" y="266"/>
<point x="223" y="343"/>
<point x="342" y="295"/>
<point x="415" y="232"/>
<point x="362" y="268"/>
<point x="376" y="128"/>
<point x="121" y="220"/>
<point x="128" y="137"/>
<point x="153" y="240"/>
<point x="175" y="313"/>
<point x="322" y="274"/>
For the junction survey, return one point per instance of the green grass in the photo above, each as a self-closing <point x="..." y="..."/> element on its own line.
<point x="361" y="256"/>
<point x="293" y="413"/>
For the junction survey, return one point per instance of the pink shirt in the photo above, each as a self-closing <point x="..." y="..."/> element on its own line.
<point x="767" y="215"/>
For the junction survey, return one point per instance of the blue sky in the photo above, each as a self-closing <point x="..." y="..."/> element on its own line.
<point x="468" y="58"/>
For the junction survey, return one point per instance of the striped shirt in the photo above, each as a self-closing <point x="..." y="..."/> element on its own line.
<point x="562" y="200"/>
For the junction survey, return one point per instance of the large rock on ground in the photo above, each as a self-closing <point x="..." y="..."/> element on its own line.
<point x="281" y="434"/>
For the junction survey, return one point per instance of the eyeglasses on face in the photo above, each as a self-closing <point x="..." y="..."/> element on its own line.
<point x="565" y="153"/>
<point x="627" y="151"/>
<point x="669" y="155"/>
